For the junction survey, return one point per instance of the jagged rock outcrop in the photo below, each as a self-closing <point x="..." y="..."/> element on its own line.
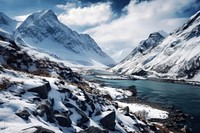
<point x="42" y="91"/>
<point x="108" y="121"/>
<point x="62" y="120"/>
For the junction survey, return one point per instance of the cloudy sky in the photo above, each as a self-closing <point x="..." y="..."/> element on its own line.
<point x="116" y="25"/>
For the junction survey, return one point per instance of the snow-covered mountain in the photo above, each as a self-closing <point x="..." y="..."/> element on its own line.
<point x="146" y="45"/>
<point x="42" y="30"/>
<point x="139" y="56"/>
<point x="175" y="57"/>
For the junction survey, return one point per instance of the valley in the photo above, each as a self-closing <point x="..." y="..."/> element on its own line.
<point x="56" y="80"/>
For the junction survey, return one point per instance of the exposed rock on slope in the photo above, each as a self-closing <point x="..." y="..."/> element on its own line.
<point x="176" y="57"/>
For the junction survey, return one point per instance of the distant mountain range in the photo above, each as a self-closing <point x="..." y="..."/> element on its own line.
<point x="42" y="31"/>
<point x="175" y="57"/>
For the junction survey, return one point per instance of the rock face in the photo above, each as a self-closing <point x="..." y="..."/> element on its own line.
<point x="46" y="109"/>
<point x="43" y="30"/>
<point x="83" y="119"/>
<point x="24" y="114"/>
<point x="108" y="121"/>
<point x="41" y="90"/>
<point x="175" y="57"/>
<point x="63" y="120"/>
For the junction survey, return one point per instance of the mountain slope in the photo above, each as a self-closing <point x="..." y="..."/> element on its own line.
<point x="7" y="24"/>
<point x="42" y="30"/>
<point x="140" y="55"/>
<point x="176" y="57"/>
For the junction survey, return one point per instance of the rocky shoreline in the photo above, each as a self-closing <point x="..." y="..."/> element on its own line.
<point x="177" y="121"/>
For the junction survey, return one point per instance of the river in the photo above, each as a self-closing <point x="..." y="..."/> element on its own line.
<point x="182" y="96"/>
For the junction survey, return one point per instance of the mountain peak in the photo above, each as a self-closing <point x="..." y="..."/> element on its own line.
<point x="7" y="24"/>
<point x="4" y="18"/>
<point x="146" y="45"/>
<point x="48" y="13"/>
<point x="154" y="39"/>
<point x="44" y="14"/>
<point x="155" y="34"/>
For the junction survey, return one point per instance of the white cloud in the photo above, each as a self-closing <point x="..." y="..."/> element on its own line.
<point x="119" y="37"/>
<point x="66" y="7"/>
<point x="85" y="16"/>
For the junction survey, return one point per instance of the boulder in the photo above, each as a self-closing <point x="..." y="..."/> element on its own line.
<point x="42" y="91"/>
<point x="185" y="129"/>
<point x="82" y="105"/>
<point x="62" y="120"/>
<point x="84" y="117"/>
<point x="24" y="114"/>
<point x="46" y="108"/>
<point x="98" y="113"/>
<point x="64" y="90"/>
<point x="133" y="90"/>
<point x="1" y="101"/>
<point x="38" y="129"/>
<point x="126" y="111"/>
<point x="93" y="129"/>
<point x="108" y="121"/>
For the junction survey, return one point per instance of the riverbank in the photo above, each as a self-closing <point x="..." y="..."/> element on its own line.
<point x="182" y="96"/>
<point x="177" y="120"/>
<point x="106" y="74"/>
<point x="135" y="77"/>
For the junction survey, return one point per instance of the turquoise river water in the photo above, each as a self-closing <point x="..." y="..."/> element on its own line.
<point x="182" y="96"/>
